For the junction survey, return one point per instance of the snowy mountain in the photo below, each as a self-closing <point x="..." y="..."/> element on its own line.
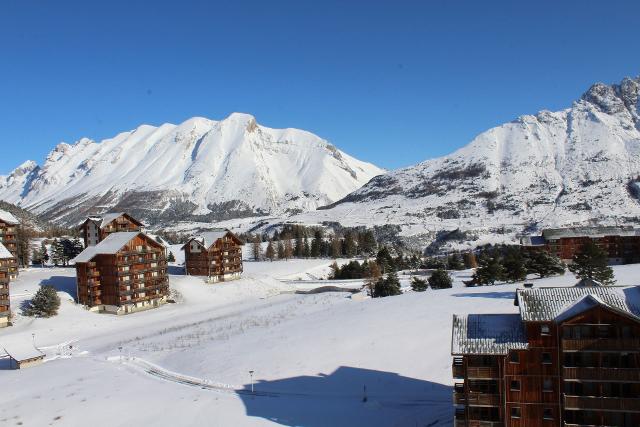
<point x="199" y="170"/>
<point x="580" y="165"/>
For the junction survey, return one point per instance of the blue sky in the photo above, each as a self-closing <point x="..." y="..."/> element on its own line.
<point x="392" y="82"/>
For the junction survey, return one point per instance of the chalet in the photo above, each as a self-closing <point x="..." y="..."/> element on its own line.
<point x="8" y="232"/>
<point x="8" y="269"/>
<point x="570" y="357"/>
<point x="124" y="273"/>
<point x="96" y="228"/>
<point x="215" y="254"/>
<point x="621" y="243"/>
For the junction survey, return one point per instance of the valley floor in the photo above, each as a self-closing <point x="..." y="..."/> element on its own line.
<point x="318" y="360"/>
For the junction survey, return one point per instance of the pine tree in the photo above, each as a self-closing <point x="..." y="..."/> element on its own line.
<point x="280" y="249"/>
<point x="592" y="263"/>
<point x="388" y="286"/>
<point x="372" y="276"/>
<point x="45" y="303"/>
<point x="57" y="252"/>
<point x="368" y="243"/>
<point x="440" y="279"/>
<point x="256" y="247"/>
<point x="270" y="252"/>
<point x="298" y="248"/>
<point x="418" y="285"/>
<point x="336" y="247"/>
<point x="316" y="244"/>
<point x="544" y="264"/>
<point x="171" y="257"/>
<point x="489" y="271"/>
<point x="349" y="246"/>
<point x="288" y="248"/>
<point x="514" y="265"/>
<point x="76" y="248"/>
<point x="455" y="262"/>
<point x="23" y="236"/>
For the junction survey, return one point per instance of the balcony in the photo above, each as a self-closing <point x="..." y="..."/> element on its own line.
<point x="602" y="344"/>
<point x="457" y="367"/>
<point x="483" y="372"/>
<point x="602" y="374"/>
<point x="624" y="404"/>
<point x="483" y="399"/>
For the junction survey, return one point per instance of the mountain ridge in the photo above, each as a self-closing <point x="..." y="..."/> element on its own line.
<point x="200" y="168"/>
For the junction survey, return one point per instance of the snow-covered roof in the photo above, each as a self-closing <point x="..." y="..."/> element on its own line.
<point x="208" y="238"/>
<point x="22" y="350"/>
<point x="108" y="217"/>
<point x="557" y="233"/>
<point x="104" y="220"/>
<point x="4" y="252"/>
<point x="487" y="334"/>
<point x="532" y="241"/>
<point x="8" y="217"/>
<point x="109" y="246"/>
<point x="546" y="304"/>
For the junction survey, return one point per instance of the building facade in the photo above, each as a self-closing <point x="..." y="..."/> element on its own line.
<point x="570" y="358"/>
<point x="124" y="273"/>
<point x="96" y="228"/>
<point x="216" y="255"/>
<point x="8" y="234"/>
<point x="622" y="244"/>
<point x="8" y="269"/>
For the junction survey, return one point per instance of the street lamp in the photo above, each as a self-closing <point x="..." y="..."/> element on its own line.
<point x="251" y="376"/>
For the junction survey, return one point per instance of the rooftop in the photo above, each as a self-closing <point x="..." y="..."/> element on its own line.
<point x="109" y="246"/>
<point x="557" y="233"/>
<point x="546" y="304"/>
<point x="487" y="334"/>
<point x="4" y="252"/>
<point x="8" y="218"/>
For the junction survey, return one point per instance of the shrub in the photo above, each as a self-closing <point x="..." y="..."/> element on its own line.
<point x="418" y="285"/>
<point x="440" y="279"/>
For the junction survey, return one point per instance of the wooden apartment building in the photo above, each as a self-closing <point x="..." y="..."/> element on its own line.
<point x="570" y="358"/>
<point x="8" y="235"/>
<point x="124" y="273"/>
<point x="622" y="244"/>
<point x="8" y="269"/>
<point x="215" y="254"/>
<point x="96" y="228"/>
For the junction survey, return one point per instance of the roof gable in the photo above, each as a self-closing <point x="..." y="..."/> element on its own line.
<point x="8" y="218"/>
<point x="546" y="304"/>
<point x="4" y="252"/>
<point x="209" y="238"/>
<point x="112" y="244"/>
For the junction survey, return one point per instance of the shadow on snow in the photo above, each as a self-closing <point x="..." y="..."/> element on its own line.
<point x="350" y="396"/>
<point x="63" y="284"/>
<point x="504" y="295"/>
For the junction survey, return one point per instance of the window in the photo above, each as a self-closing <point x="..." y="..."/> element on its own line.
<point x="544" y="330"/>
<point x="515" y="385"/>
<point x="515" y="412"/>
<point x="546" y="358"/>
<point x="547" y="385"/>
<point x="514" y="357"/>
<point x="547" y="413"/>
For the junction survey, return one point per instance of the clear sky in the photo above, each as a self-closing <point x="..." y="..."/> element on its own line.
<point x="391" y="82"/>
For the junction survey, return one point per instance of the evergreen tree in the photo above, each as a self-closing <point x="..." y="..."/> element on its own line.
<point x="455" y="262"/>
<point x="299" y="247"/>
<point x="171" y="257"/>
<point x="387" y="286"/>
<point x="374" y="274"/>
<point x="385" y="260"/>
<point x="336" y="247"/>
<point x="307" y="249"/>
<point x="489" y="271"/>
<point x="57" y="252"/>
<point x="270" y="252"/>
<point x="256" y="248"/>
<point x="288" y="248"/>
<point x="418" y="285"/>
<point x="592" y="262"/>
<point x="349" y="246"/>
<point x="280" y="249"/>
<point x="75" y="248"/>
<point x="470" y="260"/>
<point x="544" y="264"/>
<point x="23" y="236"/>
<point x="514" y="265"/>
<point x="45" y="303"/>
<point x="369" y="244"/>
<point x="316" y="244"/>
<point x="440" y="279"/>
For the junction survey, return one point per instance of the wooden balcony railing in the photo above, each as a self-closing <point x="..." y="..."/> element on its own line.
<point x="483" y="399"/>
<point x="602" y="344"/>
<point x="602" y="374"/>
<point x="483" y="372"/>
<point x="624" y="404"/>
<point x="457" y="369"/>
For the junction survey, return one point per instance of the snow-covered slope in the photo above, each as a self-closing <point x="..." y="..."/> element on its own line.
<point x="200" y="169"/>
<point x="579" y="165"/>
